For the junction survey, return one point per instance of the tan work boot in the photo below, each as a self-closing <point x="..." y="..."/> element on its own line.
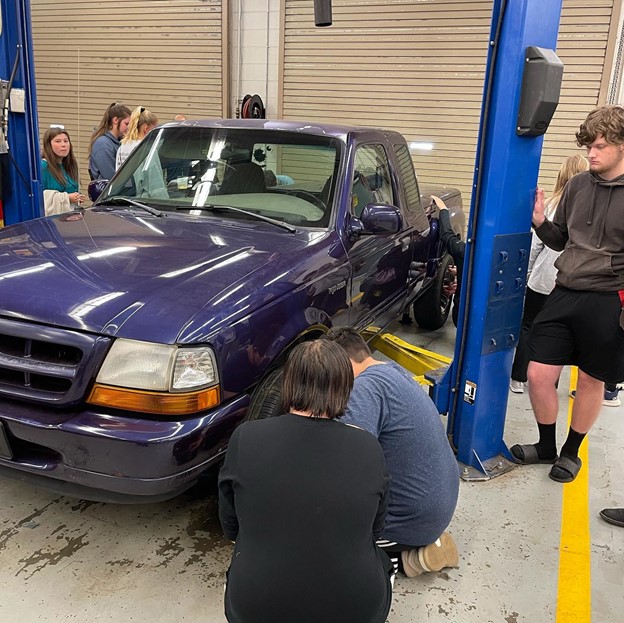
<point x="443" y="553"/>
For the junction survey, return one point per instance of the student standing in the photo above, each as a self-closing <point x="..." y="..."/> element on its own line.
<point x="582" y="321"/>
<point x="59" y="172"/>
<point x="105" y="141"/>
<point x="542" y="273"/>
<point x="141" y="122"/>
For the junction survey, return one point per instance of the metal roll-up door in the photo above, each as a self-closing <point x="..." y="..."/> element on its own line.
<point x="418" y="67"/>
<point x="169" y="56"/>
<point x="585" y="45"/>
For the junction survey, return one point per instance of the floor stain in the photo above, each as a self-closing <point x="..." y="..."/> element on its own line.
<point x="169" y="549"/>
<point x="512" y="618"/>
<point x="41" y="559"/>
<point x="9" y="533"/>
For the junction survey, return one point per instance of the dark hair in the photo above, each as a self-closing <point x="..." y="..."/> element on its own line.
<point x="606" y="120"/>
<point x="352" y="343"/>
<point x="54" y="166"/>
<point x="318" y="379"/>
<point x="114" y="110"/>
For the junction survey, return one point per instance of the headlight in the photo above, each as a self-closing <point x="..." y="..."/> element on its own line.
<point x="157" y="378"/>
<point x="158" y="367"/>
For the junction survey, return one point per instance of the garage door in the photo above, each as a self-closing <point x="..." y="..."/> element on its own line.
<point x="166" y="55"/>
<point x="418" y="67"/>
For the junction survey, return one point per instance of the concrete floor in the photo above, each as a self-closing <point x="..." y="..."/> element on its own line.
<point x="68" y="560"/>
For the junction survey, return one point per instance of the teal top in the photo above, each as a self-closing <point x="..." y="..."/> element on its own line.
<point x="49" y="182"/>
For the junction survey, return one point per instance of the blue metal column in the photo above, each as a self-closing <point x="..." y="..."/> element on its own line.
<point x="22" y="195"/>
<point x="498" y="242"/>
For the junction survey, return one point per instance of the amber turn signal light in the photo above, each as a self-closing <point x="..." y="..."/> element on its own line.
<point x="160" y="403"/>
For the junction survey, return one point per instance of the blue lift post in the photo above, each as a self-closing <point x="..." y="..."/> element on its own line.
<point x="498" y="244"/>
<point x="21" y="185"/>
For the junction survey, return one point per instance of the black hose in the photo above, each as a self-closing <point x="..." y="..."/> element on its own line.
<point x="5" y="113"/>
<point x="473" y="222"/>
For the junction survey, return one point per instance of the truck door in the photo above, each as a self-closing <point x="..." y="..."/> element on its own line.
<point x="380" y="263"/>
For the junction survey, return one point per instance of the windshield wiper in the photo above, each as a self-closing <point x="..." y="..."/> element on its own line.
<point x="261" y="217"/>
<point x="128" y="201"/>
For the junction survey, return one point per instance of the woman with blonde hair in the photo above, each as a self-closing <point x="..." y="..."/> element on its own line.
<point x="542" y="273"/>
<point x="59" y="172"/>
<point x="141" y="122"/>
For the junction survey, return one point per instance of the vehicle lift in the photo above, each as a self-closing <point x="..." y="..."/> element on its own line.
<point x="522" y="84"/>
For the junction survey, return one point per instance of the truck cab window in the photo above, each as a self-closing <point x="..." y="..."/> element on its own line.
<point x="414" y="212"/>
<point x="371" y="178"/>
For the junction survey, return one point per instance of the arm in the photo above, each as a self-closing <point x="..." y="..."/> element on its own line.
<point x="102" y="161"/>
<point x="450" y="240"/>
<point x="227" y="478"/>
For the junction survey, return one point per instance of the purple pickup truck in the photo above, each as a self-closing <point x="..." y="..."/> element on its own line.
<point x="137" y="334"/>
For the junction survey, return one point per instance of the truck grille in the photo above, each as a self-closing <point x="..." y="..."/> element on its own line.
<point x="46" y="364"/>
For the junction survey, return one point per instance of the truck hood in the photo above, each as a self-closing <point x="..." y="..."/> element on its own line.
<point x="142" y="277"/>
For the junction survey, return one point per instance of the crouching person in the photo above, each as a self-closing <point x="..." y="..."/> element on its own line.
<point x="424" y="476"/>
<point x="304" y="497"/>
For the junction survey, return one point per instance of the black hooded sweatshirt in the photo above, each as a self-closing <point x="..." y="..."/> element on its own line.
<point x="589" y="227"/>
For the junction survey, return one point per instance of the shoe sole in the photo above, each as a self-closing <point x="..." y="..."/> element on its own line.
<point x="614" y="522"/>
<point x="436" y="557"/>
<point x="516" y="391"/>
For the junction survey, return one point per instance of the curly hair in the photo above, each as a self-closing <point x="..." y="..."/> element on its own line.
<point x="607" y="121"/>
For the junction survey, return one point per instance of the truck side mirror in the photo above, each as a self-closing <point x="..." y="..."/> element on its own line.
<point x="95" y="188"/>
<point x="381" y="218"/>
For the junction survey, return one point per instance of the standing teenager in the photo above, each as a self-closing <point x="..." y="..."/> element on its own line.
<point x="105" y="141"/>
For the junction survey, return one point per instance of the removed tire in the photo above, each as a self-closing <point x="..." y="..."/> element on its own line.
<point x="432" y="308"/>
<point x="267" y="399"/>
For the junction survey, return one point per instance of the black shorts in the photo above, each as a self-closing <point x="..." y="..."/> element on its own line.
<point x="583" y="329"/>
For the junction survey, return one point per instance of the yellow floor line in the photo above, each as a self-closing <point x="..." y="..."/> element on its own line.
<point x="574" y="590"/>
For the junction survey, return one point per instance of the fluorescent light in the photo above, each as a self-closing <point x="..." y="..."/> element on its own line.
<point x="421" y="146"/>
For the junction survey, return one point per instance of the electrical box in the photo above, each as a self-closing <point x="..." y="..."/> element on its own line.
<point x="541" y="88"/>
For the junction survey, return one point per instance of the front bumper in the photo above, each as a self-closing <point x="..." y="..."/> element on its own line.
<point x="114" y="457"/>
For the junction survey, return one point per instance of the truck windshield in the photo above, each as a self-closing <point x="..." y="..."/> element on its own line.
<point x="286" y="176"/>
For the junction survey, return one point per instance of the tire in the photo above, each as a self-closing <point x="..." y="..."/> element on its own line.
<point x="432" y="308"/>
<point x="267" y="399"/>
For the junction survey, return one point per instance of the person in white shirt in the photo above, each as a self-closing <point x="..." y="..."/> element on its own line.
<point x="141" y="122"/>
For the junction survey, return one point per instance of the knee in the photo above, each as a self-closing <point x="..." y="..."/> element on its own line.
<point x="588" y="382"/>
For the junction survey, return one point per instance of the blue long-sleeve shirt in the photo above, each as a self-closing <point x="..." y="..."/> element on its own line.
<point x="424" y="477"/>
<point x="103" y="154"/>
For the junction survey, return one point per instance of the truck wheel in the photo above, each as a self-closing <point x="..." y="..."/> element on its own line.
<point x="432" y="309"/>
<point x="267" y="399"/>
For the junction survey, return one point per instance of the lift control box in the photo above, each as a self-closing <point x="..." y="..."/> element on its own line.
<point x="541" y="87"/>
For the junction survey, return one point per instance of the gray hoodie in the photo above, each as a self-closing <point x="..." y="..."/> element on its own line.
<point x="589" y="227"/>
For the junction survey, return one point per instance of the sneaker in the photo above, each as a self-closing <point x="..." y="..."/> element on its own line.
<point x="611" y="399"/>
<point x="517" y="387"/>
<point x="442" y="553"/>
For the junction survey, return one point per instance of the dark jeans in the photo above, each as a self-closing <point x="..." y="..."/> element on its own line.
<point x="533" y="303"/>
